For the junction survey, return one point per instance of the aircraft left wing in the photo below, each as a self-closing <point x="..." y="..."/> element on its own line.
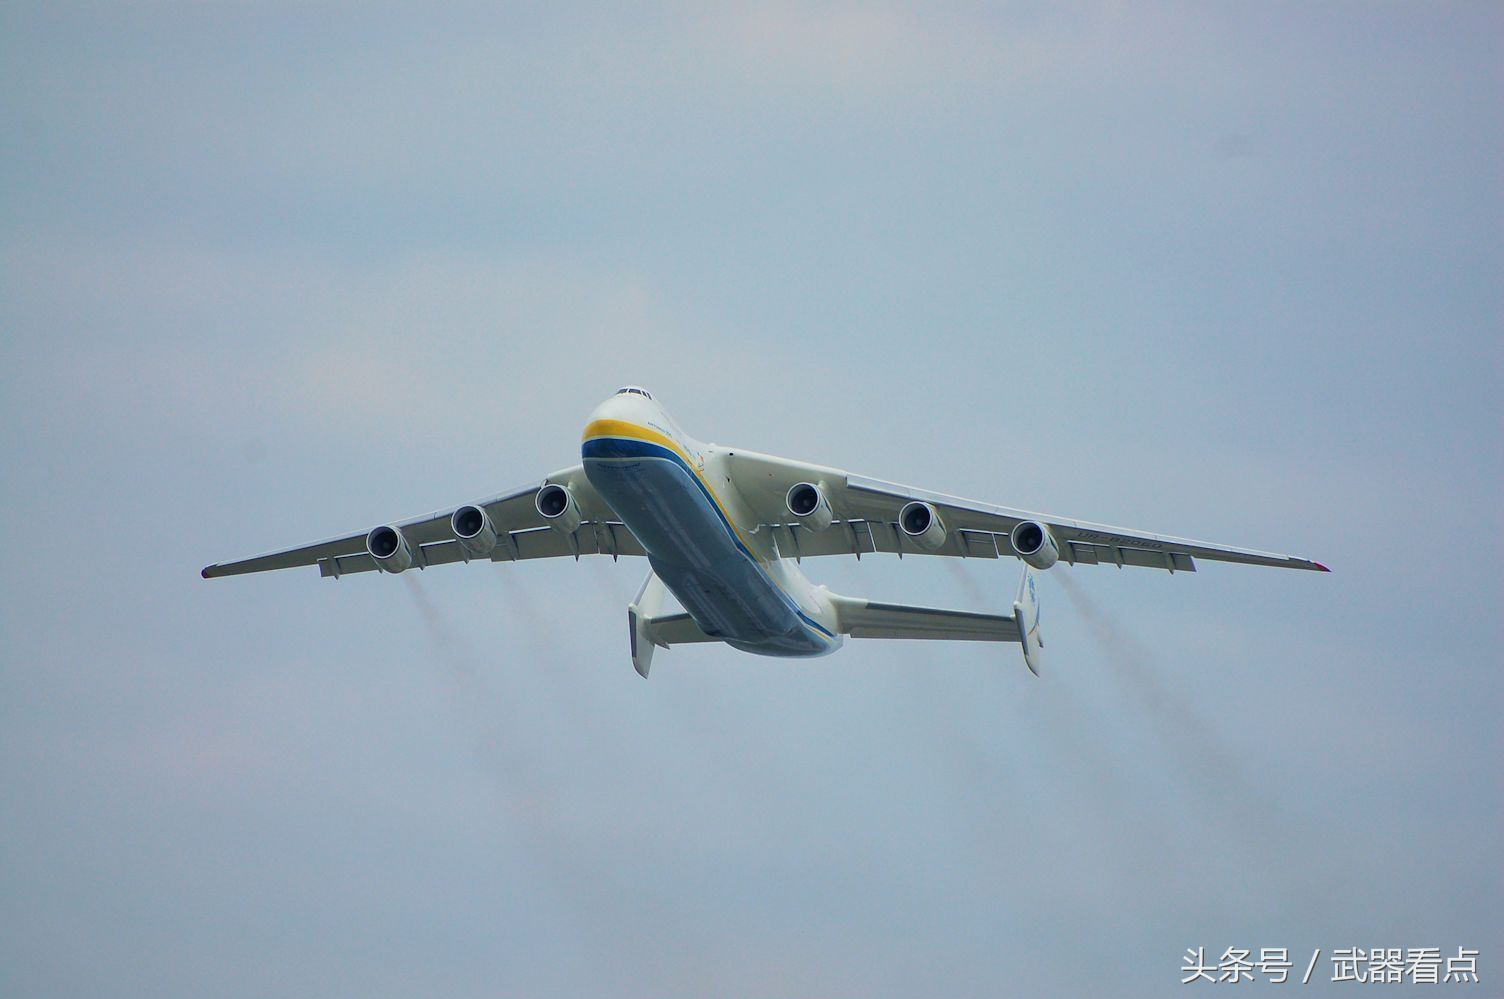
<point x="521" y="533"/>
<point x="866" y="519"/>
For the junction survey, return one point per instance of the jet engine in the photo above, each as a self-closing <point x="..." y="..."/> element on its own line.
<point x="1035" y="544"/>
<point x="921" y="522"/>
<point x="807" y="502"/>
<point x="388" y="546"/>
<point x="558" y="507"/>
<point x="474" y="531"/>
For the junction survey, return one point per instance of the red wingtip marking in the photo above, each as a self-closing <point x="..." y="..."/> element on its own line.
<point x="1322" y="567"/>
<point x="204" y="572"/>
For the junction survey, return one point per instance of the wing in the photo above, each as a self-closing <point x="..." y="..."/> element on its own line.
<point x="866" y="520"/>
<point x="521" y="533"/>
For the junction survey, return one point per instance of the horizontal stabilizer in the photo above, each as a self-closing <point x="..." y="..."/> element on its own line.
<point x="676" y="629"/>
<point x="870" y="619"/>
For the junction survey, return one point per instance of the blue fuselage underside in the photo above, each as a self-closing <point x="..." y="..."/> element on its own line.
<point x="694" y="550"/>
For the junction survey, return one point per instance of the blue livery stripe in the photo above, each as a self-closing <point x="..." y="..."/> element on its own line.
<point x="630" y="449"/>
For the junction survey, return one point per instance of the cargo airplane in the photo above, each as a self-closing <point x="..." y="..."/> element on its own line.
<point x="725" y="529"/>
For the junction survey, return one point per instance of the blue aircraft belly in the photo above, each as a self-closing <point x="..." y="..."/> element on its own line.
<point x="693" y="551"/>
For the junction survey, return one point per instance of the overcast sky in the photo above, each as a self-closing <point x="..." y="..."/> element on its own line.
<point x="271" y="273"/>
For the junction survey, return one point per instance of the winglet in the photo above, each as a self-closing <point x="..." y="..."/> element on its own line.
<point x="204" y="572"/>
<point x="1323" y="568"/>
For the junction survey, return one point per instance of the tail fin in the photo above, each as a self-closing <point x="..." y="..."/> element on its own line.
<point x="640" y="614"/>
<point x="1026" y="613"/>
<point x="649" y="628"/>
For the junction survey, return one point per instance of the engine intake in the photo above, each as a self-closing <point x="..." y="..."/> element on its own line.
<point x="474" y="531"/>
<point x="809" y="506"/>
<point x="557" y="506"/>
<point x="388" y="546"/>
<point x="1035" y="544"/>
<point x="921" y="522"/>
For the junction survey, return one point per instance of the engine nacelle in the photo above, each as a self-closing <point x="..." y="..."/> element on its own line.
<point x="1035" y="544"/>
<point x="474" y="531"/>
<point x="388" y="546"/>
<point x="807" y="502"/>
<point x="921" y="522"/>
<point x="558" y="507"/>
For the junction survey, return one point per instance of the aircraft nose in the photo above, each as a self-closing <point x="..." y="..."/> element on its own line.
<point x="621" y="407"/>
<point x="613" y="407"/>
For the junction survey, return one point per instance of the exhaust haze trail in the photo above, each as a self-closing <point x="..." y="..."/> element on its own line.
<point x="485" y="715"/>
<point x="973" y="589"/>
<point x="1174" y="719"/>
<point x="491" y="734"/>
<point x="1047" y="720"/>
<point x="1250" y="814"/>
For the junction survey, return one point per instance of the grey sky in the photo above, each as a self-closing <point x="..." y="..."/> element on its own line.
<point x="273" y="273"/>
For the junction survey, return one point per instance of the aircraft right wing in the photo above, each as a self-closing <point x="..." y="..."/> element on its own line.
<point x="521" y="533"/>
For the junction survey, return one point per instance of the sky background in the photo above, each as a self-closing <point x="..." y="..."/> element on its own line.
<point x="271" y="273"/>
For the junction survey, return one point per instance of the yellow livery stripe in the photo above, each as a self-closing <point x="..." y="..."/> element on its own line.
<point x="636" y="431"/>
<point x="633" y="431"/>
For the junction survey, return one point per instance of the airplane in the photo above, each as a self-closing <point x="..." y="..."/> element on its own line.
<point x="724" y="530"/>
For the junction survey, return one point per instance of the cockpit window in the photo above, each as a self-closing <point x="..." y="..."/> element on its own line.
<point x="634" y="390"/>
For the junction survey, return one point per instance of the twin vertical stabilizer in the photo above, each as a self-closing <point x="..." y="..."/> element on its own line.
<point x="648" y="627"/>
<point x="1026" y="614"/>
<point x="640" y="615"/>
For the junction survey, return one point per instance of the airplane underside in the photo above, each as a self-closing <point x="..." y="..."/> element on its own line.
<point x="694" y="551"/>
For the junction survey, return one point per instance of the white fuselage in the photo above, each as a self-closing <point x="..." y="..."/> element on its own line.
<point x="677" y="497"/>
